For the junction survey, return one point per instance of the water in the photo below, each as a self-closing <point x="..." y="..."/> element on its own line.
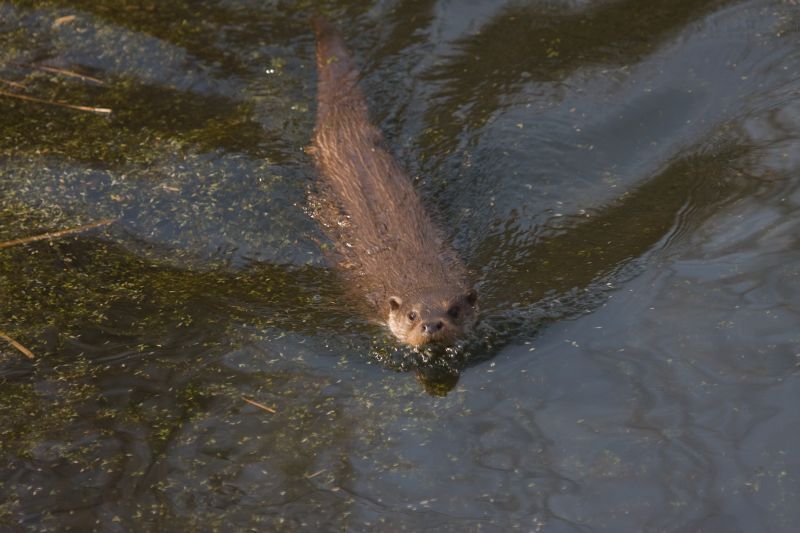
<point x="621" y="177"/>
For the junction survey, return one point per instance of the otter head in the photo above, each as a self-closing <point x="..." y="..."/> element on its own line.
<point x="432" y="316"/>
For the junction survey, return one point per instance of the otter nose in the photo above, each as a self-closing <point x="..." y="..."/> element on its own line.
<point x="432" y="327"/>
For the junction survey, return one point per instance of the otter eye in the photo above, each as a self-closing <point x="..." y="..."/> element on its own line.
<point x="412" y="316"/>
<point x="454" y="311"/>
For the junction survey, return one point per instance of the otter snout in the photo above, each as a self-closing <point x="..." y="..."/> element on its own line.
<point x="429" y="328"/>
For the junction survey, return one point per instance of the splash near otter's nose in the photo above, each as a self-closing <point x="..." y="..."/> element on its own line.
<point x="386" y="247"/>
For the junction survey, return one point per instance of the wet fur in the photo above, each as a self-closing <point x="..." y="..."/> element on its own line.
<point x="386" y="245"/>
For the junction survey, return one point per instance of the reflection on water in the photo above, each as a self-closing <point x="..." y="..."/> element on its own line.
<point x="621" y="177"/>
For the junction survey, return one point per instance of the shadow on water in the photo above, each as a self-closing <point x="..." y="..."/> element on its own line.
<point x="575" y="252"/>
<point x="543" y="43"/>
<point x="530" y="279"/>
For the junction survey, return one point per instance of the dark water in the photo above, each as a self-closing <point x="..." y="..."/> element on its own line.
<point x="622" y="177"/>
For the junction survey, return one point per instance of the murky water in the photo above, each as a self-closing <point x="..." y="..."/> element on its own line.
<point x="622" y="177"/>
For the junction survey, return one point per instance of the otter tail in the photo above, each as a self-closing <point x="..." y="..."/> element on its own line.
<point x="337" y="76"/>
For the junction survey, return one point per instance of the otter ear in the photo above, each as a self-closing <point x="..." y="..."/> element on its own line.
<point x="472" y="297"/>
<point x="395" y="302"/>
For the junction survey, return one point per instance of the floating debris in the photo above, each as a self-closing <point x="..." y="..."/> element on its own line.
<point x="259" y="405"/>
<point x="57" y="234"/>
<point x="17" y="345"/>
<point x="90" y="109"/>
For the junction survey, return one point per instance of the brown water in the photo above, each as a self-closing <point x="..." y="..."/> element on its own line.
<point x="622" y="177"/>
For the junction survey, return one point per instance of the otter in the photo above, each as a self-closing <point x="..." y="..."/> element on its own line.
<point x="385" y="245"/>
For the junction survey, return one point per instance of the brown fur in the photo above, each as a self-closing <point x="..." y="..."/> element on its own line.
<point x="386" y="245"/>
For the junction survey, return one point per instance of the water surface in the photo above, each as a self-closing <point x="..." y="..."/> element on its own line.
<point x="621" y="177"/>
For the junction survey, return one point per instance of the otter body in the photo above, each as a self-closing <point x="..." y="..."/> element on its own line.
<point x="385" y="245"/>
